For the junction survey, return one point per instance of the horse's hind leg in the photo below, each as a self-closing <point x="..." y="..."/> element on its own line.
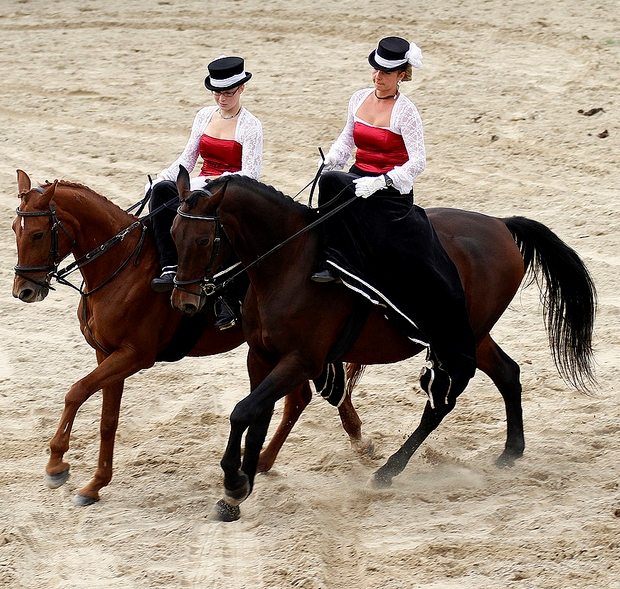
<point x="505" y="372"/>
<point x="294" y="404"/>
<point x="351" y="421"/>
<point x="352" y="424"/>
<point x="396" y="463"/>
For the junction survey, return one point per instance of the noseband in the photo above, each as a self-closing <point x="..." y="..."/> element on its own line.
<point x="53" y="258"/>
<point x="207" y="286"/>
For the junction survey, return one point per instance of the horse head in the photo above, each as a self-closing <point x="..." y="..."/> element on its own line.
<point x="36" y="234"/>
<point x="198" y="235"/>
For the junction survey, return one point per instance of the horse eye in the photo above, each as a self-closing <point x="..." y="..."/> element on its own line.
<point x="37" y="236"/>
<point x="204" y="241"/>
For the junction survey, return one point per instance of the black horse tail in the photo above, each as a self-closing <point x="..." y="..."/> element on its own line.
<point x="568" y="296"/>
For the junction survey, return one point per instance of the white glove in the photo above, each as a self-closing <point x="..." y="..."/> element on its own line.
<point x="367" y="185"/>
<point x="329" y="164"/>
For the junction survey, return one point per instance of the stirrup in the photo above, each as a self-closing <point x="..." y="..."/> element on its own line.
<point x="225" y="322"/>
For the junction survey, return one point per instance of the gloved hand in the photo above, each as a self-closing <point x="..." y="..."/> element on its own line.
<point x="367" y="185"/>
<point x="328" y="164"/>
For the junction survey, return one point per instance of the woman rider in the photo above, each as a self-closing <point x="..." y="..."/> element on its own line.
<point x="229" y="139"/>
<point x="381" y="244"/>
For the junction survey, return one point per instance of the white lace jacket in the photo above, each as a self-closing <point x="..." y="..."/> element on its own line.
<point x="405" y="121"/>
<point x="249" y="133"/>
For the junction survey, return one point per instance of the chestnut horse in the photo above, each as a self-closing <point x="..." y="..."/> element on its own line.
<point x="291" y="323"/>
<point x="129" y="325"/>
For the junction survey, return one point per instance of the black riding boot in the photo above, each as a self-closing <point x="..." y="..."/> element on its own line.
<point x="324" y="275"/>
<point x="161" y="222"/>
<point x="227" y="310"/>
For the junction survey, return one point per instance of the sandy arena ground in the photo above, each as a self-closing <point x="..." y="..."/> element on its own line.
<point x="104" y="93"/>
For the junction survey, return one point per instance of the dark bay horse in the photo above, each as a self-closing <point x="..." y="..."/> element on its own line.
<point x="292" y="323"/>
<point x="129" y="325"/>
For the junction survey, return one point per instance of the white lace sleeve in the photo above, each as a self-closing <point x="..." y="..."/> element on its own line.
<point x="407" y="122"/>
<point x="249" y="133"/>
<point x="190" y="154"/>
<point x="342" y="149"/>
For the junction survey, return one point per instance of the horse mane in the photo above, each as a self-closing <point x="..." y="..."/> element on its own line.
<point x="265" y="191"/>
<point x="78" y="186"/>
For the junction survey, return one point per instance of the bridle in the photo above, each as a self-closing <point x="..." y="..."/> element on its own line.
<point x="54" y="258"/>
<point x="208" y="285"/>
<point x="206" y="282"/>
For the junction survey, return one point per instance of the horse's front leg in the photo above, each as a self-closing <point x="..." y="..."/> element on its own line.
<point x="109" y="375"/>
<point x="253" y="414"/>
<point x="110" y="410"/>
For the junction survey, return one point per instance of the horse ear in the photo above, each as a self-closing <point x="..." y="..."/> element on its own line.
<point x="48" y="195"/>
<point x="183" y="183"/>
<point x="23" y="182"/>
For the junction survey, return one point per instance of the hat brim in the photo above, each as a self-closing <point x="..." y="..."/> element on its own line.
<point x="213" y="88"/>
<point x="387" y="70"/>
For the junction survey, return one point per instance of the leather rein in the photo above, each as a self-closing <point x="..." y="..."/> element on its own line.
<point x="54" y="258"/>
<point x="208" y="285"/>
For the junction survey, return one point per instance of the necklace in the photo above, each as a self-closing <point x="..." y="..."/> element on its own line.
<point x="219" y="110"/>
<point x="385" y="97"/>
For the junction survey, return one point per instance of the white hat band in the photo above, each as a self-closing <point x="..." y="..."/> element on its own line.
<point x="227" y="81"/>
<point x="389" y="63"/>
<point x="413" y="56"/>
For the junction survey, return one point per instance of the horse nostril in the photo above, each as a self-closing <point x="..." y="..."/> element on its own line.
<point x="189" y="309"/>
<point x="27" y="294"/>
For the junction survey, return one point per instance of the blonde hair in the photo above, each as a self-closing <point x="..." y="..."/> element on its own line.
<point x="408" y="69"/>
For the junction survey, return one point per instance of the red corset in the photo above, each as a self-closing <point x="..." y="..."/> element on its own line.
<point x="378" y="150"/>
<point x="219" y="156"/>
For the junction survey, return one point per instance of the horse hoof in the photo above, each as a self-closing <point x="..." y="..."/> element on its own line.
<point x="365" y="447"/>
<point x="224" y="512"/>
<point x="506" y="460"/>
<point x="53" y="481"/>
<point x="380" y="481"/>
<point x="83" y="500"/>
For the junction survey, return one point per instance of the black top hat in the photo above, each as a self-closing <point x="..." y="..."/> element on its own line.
<point x="393" y="53"/>
<point x="226" y="73"/>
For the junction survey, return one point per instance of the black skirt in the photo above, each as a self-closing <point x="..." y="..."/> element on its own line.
<point x="385" y="248"/>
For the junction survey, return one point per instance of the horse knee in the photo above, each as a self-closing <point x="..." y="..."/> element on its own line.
<point x="76" y="396"/>
<point x="241" y="415"/>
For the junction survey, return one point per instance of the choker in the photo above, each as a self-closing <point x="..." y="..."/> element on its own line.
<point x="386" y="97"/>
<point x="219" y="110"/>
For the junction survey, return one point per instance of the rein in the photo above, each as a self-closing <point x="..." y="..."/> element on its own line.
<point x="207" y="286"/>
<point x="54" y="259"/>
